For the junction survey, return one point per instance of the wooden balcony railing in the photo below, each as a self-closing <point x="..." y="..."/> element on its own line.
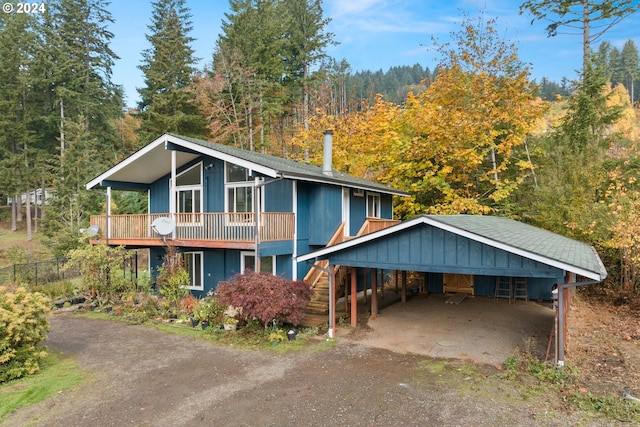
<point x="219" y="226"/>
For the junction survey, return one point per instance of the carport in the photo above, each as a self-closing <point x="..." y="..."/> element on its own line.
<point x="471" y="254"/>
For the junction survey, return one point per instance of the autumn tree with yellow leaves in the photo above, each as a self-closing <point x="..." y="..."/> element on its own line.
<point x="457" y="147"/>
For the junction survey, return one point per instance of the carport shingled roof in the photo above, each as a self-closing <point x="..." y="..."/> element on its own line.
<point x="528" y="238"/>
<point x="504" y="233"/>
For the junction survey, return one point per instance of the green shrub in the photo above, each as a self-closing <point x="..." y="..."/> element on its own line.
<point x="266" y="297"/>
<point x="101" y="271"/>
<point x="208" y="310"/>
<point x="23" y="325"/>
<point x="173" y="279"/>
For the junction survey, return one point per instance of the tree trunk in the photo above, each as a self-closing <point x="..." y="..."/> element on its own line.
<point x="14" y="212"/>
<point x="29" y="236"/>
<point x="586" y="47"/>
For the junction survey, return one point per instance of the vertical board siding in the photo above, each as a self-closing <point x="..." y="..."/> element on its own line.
<point x="278" y="196"/>
<point x="325" y="213"/>
<point x="357" y="213"/>
<point x="431" y="249"/>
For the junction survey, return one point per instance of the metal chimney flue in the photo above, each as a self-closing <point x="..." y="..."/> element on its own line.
<point x="327" y="159"/>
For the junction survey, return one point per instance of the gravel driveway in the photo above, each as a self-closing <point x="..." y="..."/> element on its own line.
<point x="143" y="377"/>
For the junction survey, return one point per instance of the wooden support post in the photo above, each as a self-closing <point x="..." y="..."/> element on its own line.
<point x="374" y="292"/>
<point x="332" y="300"/>
<point x="564" y="293"/>
<point x="354" y="297"/>
<point x="343" y="280"/>
<point x="404" y="286"/>
<point x="395" y="279"/>
<point x="366" y="285"/>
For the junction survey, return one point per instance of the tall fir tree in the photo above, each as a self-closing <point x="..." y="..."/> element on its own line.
<point x="169" y="67"/>
<point x="79" y="101"/>
<point x="18" y="46"/>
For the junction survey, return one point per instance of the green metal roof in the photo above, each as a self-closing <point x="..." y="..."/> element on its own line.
<point x="292" y="168"/>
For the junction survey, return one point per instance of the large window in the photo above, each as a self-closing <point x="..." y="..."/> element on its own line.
<point x="373" y="205"/>
<point x="189" y="194"/>
<point x="192" y="262"/>
<point x="239" y="189"/>
<point x="248" y="261"/>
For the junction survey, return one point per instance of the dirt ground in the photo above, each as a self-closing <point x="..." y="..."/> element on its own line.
<point x="478" y="329"/>
<point x="143" y="377"/>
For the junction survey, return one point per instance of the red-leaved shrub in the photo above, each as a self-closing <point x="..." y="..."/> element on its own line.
<point x="266" y="297"/>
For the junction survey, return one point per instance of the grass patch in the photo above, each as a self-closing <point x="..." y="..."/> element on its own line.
<point x="609" y="407"/>
<point x="56" y="374"/>
<point x="434" y="366"/>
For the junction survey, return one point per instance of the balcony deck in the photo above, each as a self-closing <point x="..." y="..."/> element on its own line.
<point x="201" y="230"/>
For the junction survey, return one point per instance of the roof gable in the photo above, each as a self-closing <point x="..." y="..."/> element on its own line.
<point x="154" y="160"/>
<point x="502" y="233"/>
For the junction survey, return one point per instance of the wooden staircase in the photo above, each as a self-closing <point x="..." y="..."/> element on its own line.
<point x="318" y="307"/>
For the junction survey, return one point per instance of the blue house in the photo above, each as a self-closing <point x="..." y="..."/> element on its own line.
<point x="226" y="209"/>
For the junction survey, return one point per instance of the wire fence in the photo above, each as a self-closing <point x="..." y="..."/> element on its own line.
<point x="52" y="270"/>
<point x="37" y="273"/>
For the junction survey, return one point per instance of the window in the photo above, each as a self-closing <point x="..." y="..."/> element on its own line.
<point x="248" y="261"/>
<point x="192" y="262"/>
<point x="239" y="189"/>
<point x="373" y="205"/>
<point x="189" y="194"/>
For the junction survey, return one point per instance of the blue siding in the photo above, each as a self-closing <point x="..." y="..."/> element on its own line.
<point x="280" y="247"/>
<point x="325" y="213"/>
<point x="213" y="185"/>
<point x="279" y="196"/>
<point x="302" y="219"/>
<point x="431" y="249"/>
<point x="159" y="196"/>
<point x="386" y="206"/>
<point x="357" y="213"/>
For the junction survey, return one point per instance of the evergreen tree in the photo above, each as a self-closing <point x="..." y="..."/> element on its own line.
<point x="168" y="67"/>
<point x="585" y="15"/>
<point x="80" y="104"/>
<point x="18" y="107"/>
<point x="571" y="169"/>
<point x="630" y="67"/>
<point x="306" y="41"/>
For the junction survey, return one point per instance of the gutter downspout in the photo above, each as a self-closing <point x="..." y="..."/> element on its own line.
<point x="561" y="314"/>
<point x="332" y="316"/>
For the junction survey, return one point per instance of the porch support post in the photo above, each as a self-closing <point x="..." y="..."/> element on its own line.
<point x="563" y="306"/>
<point x="354" y="297"/>
<point x="332" y="301"/>
<point x="172" y="196"/>
<point x="374" y="292"/>
<point x="404" y="286"/>
<point x="108" y="211"/>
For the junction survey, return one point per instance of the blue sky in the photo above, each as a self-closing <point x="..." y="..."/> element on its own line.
<point x="373" y="34"/>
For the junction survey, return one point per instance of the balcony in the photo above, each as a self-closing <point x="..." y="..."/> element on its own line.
<point x="203" y="230"/>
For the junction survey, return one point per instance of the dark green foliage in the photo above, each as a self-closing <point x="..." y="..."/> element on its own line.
<point x="551" y="91"/>
<point x="266" y="297"/>
<point x="173" y="279"/>
<point x="168" y="67"/>
<point x="393" y="85"/>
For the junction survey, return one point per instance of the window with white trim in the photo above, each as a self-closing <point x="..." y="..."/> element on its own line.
<point x="373" y="205"/>
<point x="188" y="194"/>
<point x="192" y="262"/>
<point x="239" y="189"/>
<point x="248" y="261"/>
